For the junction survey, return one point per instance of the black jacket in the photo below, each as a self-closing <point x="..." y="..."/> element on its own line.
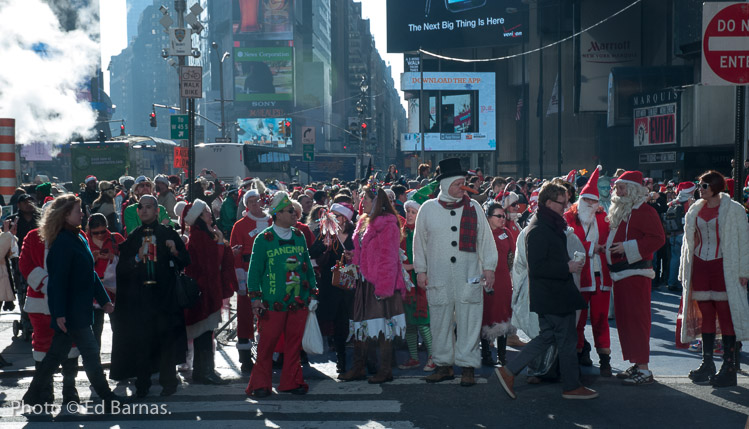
<point x="552" y="289"/>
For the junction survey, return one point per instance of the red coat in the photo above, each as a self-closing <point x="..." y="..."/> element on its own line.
<point x="586" y="276"/>
<point x="309" y="237"/>
<point x="244" y="232"/>
<point x="212" y="268"/>
<point x="33" y="267"/>
<point x="642" y="235"/>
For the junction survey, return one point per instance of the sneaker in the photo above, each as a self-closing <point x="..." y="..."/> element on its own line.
<point x="640" y="377"/>
<point x="411" y="363"/>
<point x="696" y="346"/>
<point x="628" y="373"/>
<point x="581" y="392"/>
<point x="506" y="379"/>
<point x="430" y="366"/>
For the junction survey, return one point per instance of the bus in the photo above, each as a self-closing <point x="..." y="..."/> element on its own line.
<point x="122" y="156"/>
<point x="234" y="161"/>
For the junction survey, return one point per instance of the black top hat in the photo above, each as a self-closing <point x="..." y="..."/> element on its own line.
<point x="450" y="167"/>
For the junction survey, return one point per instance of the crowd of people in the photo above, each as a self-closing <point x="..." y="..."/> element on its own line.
<point x="452" y="261"/>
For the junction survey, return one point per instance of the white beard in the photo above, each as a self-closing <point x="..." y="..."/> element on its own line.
<point x="621" y="207"/>
<point x="586" y="212"/>
<point x="514" y="216"/>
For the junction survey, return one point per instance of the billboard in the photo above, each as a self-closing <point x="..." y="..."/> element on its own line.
<point x="441" y="24"/>
<point x="656" y="118"/>
<point x="263" y="19"/>
<point x="462" y="112"/>
<point x="263" y="74"/>
<point x="262" y="131"/>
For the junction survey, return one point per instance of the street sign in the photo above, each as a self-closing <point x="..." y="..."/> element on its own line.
<point x="179" y="127"/>
<point x="725" y="43"/>
<point x="180" y="41"/>
<point x="308" y="156"/>
<point x="191" y="81"/>
<point x="308" y="148"/>
<point x="180" y="157"/>
<point x="308" y="136"/>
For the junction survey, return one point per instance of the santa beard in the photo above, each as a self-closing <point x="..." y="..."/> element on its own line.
<point x="586" y="212"/>
<point x="621" y="207"/>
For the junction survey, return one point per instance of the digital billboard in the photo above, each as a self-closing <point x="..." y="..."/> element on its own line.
<point x="263" y="19"/>
<point x="263" y="74"/>
<point x="462" y="112"/>
<point x="440" y="24"/>
<point x="263" y="131"/>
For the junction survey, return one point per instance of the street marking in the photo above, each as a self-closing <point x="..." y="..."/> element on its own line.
<point x="287" y="406"/>
<point x="252" y="424"/>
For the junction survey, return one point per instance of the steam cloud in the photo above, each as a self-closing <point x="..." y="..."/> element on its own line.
<point x="43" y="67"/>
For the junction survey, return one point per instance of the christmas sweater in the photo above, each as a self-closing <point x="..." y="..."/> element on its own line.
<point x="280" y="272"/>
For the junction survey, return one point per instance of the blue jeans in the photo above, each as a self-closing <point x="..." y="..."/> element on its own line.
<point x="61" y="343"/>
<point x="673" y="273"/>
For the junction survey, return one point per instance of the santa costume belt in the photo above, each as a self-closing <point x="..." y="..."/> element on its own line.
<point x="622" y="266"/>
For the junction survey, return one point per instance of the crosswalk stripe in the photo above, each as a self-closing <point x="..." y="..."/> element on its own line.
<point x="251" y="424"/>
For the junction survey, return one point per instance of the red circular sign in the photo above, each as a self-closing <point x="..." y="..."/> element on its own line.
<point x="725" y="44"/>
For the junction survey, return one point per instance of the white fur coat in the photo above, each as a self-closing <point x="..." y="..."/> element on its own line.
<point x="734" y="244"/>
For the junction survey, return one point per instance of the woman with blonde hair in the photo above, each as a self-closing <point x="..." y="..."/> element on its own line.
<point x="378" y="312"/>
<point x="71" y="289"/>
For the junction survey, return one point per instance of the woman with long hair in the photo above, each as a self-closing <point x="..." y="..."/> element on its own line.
<point x="378" y="308"/>
<point x="71" y="289"/>
<point x="212" y="268"/>
<point x="714" y="270"/>
<point x="498" y="305"/>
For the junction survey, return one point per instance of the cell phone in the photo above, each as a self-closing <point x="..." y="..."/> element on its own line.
<point x="7" y="211"/>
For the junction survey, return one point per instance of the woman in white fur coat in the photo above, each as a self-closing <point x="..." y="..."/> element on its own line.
<point x="714" y="270"/>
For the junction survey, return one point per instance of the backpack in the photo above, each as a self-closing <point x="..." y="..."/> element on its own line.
<point x="674" y="220"/>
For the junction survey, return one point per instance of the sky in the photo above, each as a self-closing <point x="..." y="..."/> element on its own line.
<point x="114" y="33"/>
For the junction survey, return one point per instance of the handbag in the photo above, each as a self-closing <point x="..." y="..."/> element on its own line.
<point x="109" y="280"/>
<point x="344" y="276"/>
<point x="312" y="339"/>
<point x="187" y="291"/>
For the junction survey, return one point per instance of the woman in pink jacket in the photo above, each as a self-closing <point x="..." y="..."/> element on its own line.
<point x="378" y="308"/>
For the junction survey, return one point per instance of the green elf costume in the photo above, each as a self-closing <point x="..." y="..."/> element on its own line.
<point x="280" y="276"/>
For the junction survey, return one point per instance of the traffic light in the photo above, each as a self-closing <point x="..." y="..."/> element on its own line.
<point x="287" y="129"/>
<point x="363" y="130"/>
<point x="152" y="119"/>
<point x="122" y="129"/>
<point x="282" y="128"/>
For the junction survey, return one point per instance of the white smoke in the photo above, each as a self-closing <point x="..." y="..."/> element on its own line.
<point x="40" y="90"/>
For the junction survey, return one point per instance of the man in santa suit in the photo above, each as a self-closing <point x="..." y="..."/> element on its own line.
<point x="636" y="233"/>
<point x="33" y="267"/>
<point x="588" y="219"/>
<point x="253" y="221"/>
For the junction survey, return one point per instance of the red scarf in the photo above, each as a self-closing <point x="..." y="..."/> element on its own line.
<point x="468" y="223"/>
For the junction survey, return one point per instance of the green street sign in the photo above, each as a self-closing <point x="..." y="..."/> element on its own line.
<point x="308" y="156"/>
<point x="179" y="127"/>
<point x="308" y="148"/>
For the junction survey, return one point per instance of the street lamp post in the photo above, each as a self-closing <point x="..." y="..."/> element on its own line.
<point x="222" y="58"/>
<point x="360" y="109"/>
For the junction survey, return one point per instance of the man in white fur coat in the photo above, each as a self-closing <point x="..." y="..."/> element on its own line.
<point x="453" y="249"/>
<point x="636" y="233"/>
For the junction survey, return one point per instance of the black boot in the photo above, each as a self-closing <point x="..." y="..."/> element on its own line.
<point x="486" y="354"/>
<point x="245" y="360"/>
<point x="210" y="376"/>
<point x="706" y="371"/>
<point x="726" y="377"/>
<point x="69" y="373"/>
<point x="583" y="357"/>
<point x="604" y="365"/>
<point x="739" y="346"/>
<point x="502" y="350"/>
<point x="3" y="362"/>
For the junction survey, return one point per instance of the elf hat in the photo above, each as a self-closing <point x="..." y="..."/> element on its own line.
<point x="590" y="190"/>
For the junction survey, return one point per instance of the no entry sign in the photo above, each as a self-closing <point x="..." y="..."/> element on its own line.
<point x="725" y="43"/>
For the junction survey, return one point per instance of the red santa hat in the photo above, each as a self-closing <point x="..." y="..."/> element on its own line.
<point x="686" y="187"/>
<point x="507" y="198"/>
<point x="571" y="176"/>
<point x="348" y="212"/>
<point x="249" y="194"/>
<point x="89" y="179"/>
<point x="590" y="190"/>
<point x="534" y="200"/>
<point x="191" y="212"/>
<point x="634" y="177"/>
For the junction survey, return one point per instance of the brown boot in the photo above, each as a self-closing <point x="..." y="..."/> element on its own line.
<point x="385" y="372"/>
<point x="358" y="371"/>
<point x="467" y="379"/>
<point x="441" y="374"/>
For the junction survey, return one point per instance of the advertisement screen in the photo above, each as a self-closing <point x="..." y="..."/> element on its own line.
<point x="462" y="112"/>
<point x="263" y="19"/>
<point x="263" y="74"/>
<point x="655" y="118"/>
<point x="440" y="24"/>
<point x="263" y="131"/>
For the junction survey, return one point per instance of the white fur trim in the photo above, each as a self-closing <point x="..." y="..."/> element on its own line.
<point x="591" y="196"/>
<point x="179" y="208"/>
<point x="631" y="251"/>
<point x="249" y="194"/>
<point x="391" y="328"/>
<point x="36" y="276"/>
<point x="649" y="273"/>
<point x="496" y="330"/>
<point x="197" y="209"/>
<point x="208" y="324"/>
<point x="39" y="356"/>
<point x="244" y="346"/>
<point x="709" y="295"/>
<point x="36" y="305"/>
<point x="340" y="208"/>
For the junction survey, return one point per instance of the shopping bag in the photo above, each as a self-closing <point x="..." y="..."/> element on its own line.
<point x="312" y="339"/>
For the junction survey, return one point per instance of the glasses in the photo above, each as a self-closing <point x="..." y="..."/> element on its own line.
<point x="515" y="204"/>
<point x="704" y="185"/>
<point x="99" y="232"/>
<point x="499" y="216"/>
<point x="561" y="203"/>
